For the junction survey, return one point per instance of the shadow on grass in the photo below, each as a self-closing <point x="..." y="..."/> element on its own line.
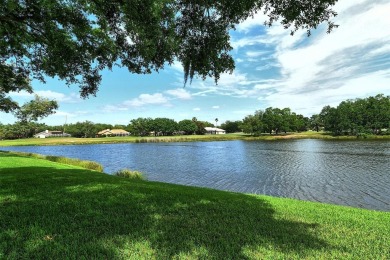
<point x="52" y="213"/>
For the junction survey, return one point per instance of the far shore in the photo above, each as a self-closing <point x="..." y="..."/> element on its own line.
<point x="184" y="138"/>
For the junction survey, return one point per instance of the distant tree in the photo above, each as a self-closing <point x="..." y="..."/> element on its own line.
<point x="29" y="113"/>
<point x="187" y="126"/>
<point x="200" y="127"/>
<point x="17" y="130"/>
<point x="86" y="129"/>
<point x="207" y="124"/>
<point x="271" y="120"/>
<point x="377" y="113"/>
<point x="355" y="117"/>
<point x="252" y="124"/>
<point x="287" y="120"/>
<point x="315" y="122"/>
<point x="2" y="130"/>
<point x="99" y="127"/>
<point x="117" y="126"/>
<point x="35" y="109"/>
<point x="274" y="120"/>
<point x="298" y="123"/>
<point x="20" y="130"/>
<point x="216" y="122"/>
<point x="140" y="126"/>
<point x="232" y="126"/>
<point x="164" y="126"/>
<point x="328" y="116"/>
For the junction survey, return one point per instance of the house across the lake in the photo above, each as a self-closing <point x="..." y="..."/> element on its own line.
<point x="47" y="133"/>
<point x="113" y="132"/>
<point x="214" y="131"/>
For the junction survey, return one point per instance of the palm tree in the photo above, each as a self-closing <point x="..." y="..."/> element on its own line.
<point x="216" y="122"/>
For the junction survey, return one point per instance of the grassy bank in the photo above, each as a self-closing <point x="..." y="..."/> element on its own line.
<point x="90" y="165"/>
<point x="52" y="210"/>
<point x="186" y="138"/>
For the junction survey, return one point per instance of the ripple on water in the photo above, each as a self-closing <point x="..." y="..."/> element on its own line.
<point x="353" y="173"/>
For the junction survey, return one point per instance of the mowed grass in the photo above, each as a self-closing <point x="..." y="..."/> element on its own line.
<point x="183" y="138"/>
<point x="57" y="211"/>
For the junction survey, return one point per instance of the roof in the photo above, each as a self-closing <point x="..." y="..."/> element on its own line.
<point x="214" y="129"/>
<point x="104" y="131"/>
<point x="119" y="131"/>
<point x="48" y="133"/>
<point x="113" y="132"/>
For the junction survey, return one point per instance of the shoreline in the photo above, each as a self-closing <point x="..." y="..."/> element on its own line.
<point x="52" y="205"/>
<point x="186" y="138"/>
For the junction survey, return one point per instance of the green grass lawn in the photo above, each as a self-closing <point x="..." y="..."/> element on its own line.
<point x="56" y="211"/>
<point x="184" y="138"/>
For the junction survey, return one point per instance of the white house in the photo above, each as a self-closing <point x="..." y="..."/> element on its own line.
<point x="48" y="133"/>
<point x="214" y="131"/>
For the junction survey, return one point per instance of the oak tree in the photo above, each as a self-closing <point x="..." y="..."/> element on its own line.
<point x="75" y="40"/>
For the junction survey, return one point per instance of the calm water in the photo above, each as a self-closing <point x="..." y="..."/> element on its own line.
<point x="354" y="173"/>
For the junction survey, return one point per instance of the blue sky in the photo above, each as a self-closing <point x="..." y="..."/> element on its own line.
<point x="272" y="69"/>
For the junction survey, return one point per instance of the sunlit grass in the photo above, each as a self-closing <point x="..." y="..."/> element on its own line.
<point x="57" y="211"/>
<point x="64" y="160"/>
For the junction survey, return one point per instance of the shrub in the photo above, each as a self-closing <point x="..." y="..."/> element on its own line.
<point x="126" y="173"/>
<point x="362" y="135"/>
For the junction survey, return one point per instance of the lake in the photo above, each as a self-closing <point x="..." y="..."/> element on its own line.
<point x="353" y="173"/>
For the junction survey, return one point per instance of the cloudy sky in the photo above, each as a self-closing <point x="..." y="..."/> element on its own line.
<point x="272" y="69"/>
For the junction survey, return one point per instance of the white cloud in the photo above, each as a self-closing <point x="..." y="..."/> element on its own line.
<point x="60" y="97"/>
<point x="156" y="99"/>
<point x="177" y="66"/>
<point x="215" y="107"/>
<point x="74" y="114"/>
<point x="267" y="66"/>
<point x="350" y="62"/>
<point x="205" y="92"/>
<point x="179" y="93"/>
<point x="323" y="69"/>
<point x="254" y="54"/>
<point x="236" y="84"/>
<point x="196" y="109"/>
<point x="141" y="101"/>
<point x="112" y="108"/>
<point x="250" y="41"/>
<point x="147" y="99"/>
<point x="258" y="19"/>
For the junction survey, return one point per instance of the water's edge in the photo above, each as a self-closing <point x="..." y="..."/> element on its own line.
<point x="337" y="172"/>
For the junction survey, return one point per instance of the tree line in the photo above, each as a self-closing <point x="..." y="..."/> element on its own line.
<point x="356" y="117"/>
<point x="87" y="129"/>
<point x="165" y="126"/>
<point x="351" y="117"/>
<point x="274" y="120"/>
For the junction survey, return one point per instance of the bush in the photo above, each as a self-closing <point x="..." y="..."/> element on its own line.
<point x="126" y="173"/>
<point x="362" y="135"/>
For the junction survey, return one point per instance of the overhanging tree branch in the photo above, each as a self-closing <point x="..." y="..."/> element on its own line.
<point x="75" y="40"/>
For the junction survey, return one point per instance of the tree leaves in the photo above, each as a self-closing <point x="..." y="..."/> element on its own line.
<point x="35" y="109"/>
<point x="76" y="40"/>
